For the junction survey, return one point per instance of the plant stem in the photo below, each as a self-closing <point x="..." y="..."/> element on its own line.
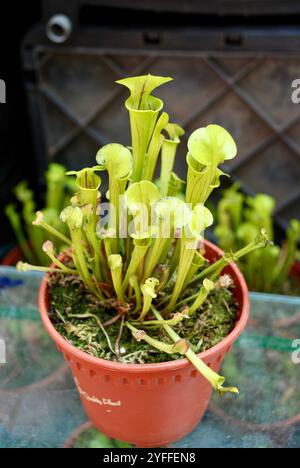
<point x="168" y="153"/>
<point x="80" y="261"/>
<point x="154" y="147"/>
<point x="160" y="345"/>
<point x="96" y="246"/>
<point x="153" y="256"/>
<point x="118" y="340"/>
<point x="147" y="301"/>
<point x="140" y="248"/>
<point x="175" y="256"/>
<point x="54" y="232"/>
<point x="172" y="322"/>
<point x="107" y="246"/>
<point x="114" y="196"/>
<point x="136" y="287"/>
<point x="60" y="265"/>
<point x="187" y="300"/>
<point x="213" y="378"/>
<point x="164" y="278"/>
<point x="198" y="261"/>
<point x="186" y="258"/>
<point x="201" y="297"/>
<point x="115" y="264"/>
<point x="21" y="266"/>
<point x="260" y="242"/>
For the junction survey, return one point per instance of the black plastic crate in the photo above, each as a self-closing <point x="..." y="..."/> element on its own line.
<point x="237" y="76"/>
<point x="213" y="7"/>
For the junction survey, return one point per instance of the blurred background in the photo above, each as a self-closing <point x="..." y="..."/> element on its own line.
<point x="233" y="63"/>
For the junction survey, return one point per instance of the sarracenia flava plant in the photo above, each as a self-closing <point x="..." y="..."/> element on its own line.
<point x="144" y="248"/>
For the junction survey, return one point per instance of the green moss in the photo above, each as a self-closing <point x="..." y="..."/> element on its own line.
<point x="68" y="297"/>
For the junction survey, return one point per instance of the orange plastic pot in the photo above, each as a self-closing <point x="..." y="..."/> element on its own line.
<point x="149" y="405"/>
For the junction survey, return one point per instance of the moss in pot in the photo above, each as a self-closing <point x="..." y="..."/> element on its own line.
<point x="139" y="294"/>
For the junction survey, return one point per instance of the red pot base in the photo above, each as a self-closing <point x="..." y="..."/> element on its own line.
<point x="150" y="398"/>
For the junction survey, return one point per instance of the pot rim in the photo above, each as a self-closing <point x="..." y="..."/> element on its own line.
<point x="176" y="364"/>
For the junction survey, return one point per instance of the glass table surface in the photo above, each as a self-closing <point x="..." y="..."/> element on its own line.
<point x="40" y="407"/>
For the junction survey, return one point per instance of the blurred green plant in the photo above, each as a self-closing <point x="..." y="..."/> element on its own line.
<point x="91" y="438"/>
<point x="22" y="214"/>
<point x="239" y="219"/>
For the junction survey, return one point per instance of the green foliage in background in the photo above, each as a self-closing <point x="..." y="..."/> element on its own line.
<point x="239" y="219"/>
<point x="22" y="214"/>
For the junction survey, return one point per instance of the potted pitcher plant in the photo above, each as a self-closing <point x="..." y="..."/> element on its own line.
<point x="141" y="306"/>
